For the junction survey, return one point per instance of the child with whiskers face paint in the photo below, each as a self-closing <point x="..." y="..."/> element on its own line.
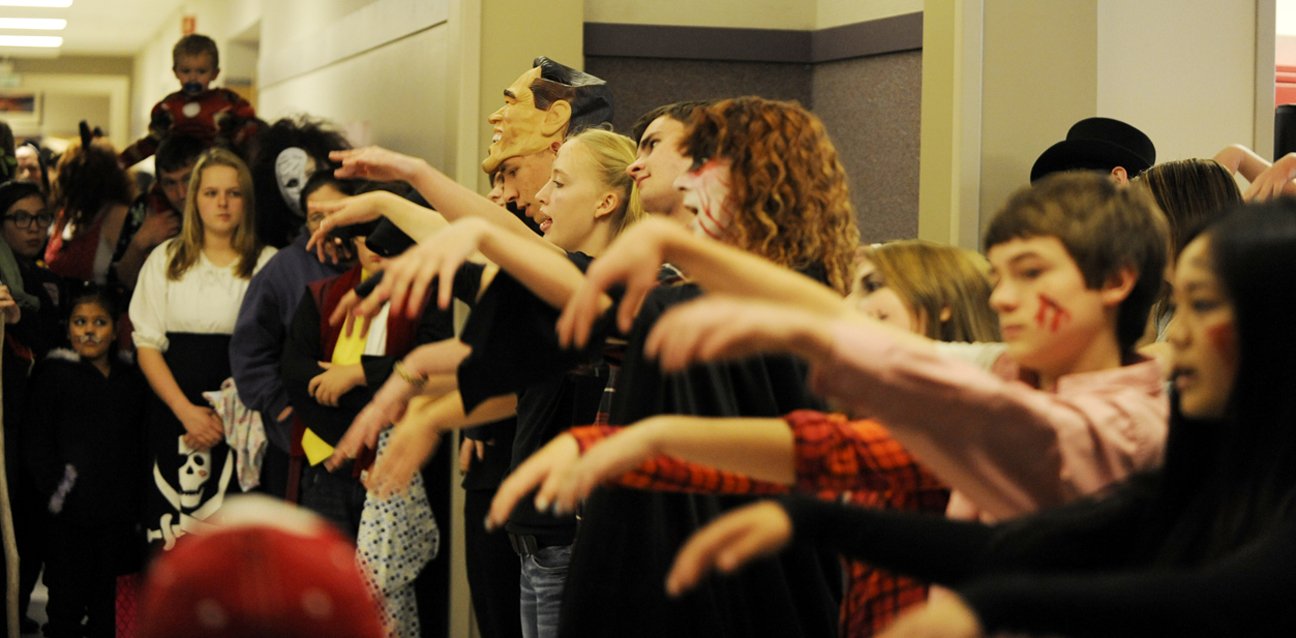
<point x="83" y="445"/>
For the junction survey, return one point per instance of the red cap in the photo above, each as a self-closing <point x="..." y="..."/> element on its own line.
<point x="285" y="575"/>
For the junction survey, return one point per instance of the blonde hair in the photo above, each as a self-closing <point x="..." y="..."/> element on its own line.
<point x="185" y="249"/>
<point x="612" y="153"/>
<point x="933" y="280"/>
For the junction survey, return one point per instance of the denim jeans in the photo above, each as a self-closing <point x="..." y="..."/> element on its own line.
<point x="543" y="575"/>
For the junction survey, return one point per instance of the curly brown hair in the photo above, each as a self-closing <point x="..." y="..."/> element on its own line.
<point x="787" y="186"/>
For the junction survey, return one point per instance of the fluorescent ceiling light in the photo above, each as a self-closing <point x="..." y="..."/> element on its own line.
<point x="34" y="24"/>
<point x="57" y="4"/>
<point x="39" y="41"/>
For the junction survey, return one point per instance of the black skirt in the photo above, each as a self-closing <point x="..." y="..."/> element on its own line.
<point x="186" y="487"/>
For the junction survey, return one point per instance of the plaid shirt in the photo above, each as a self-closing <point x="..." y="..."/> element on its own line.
<point x="837" y="459"/>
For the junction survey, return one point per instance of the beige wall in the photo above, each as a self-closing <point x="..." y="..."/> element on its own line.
<point x="835" y="13"/>
<point x="1183" y="71"/>
<point x="750" y="14"/>
<point x="1005" y="79"/>
<point x="1039" y="77"/>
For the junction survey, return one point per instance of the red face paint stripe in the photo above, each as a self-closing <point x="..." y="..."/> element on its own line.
<point x="1050" y="312"/>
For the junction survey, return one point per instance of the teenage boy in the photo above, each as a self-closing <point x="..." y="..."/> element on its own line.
<point x="660" y="161"/>
<point x="1061" y="409"/>
<point x="154" y="216"/>
<point x="196" y="109"/>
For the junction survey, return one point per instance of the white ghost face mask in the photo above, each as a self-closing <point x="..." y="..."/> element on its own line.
<point x="292" y="168"/>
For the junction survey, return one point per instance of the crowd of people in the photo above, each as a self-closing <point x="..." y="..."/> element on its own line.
<point x="692" y="402"/>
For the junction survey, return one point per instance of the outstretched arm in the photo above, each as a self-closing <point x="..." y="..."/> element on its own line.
<point x="635" y="257"/>
<point x="447" y="196"/>
<point x="415" y="437"/>
<point x="1267" y="180"/>
<point x="540" y="266"/>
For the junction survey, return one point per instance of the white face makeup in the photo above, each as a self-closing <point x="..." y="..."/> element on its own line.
<point x="706" y="194"/>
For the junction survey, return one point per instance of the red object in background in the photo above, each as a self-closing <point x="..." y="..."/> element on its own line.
<point x="188" y="25"/>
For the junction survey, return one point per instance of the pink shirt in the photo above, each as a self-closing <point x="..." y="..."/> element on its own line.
<point x="1006" y="448"/>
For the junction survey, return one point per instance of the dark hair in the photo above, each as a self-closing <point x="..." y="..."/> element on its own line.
<point x="96" y="294"/>
<point x="176" y="151"/>
<point x="1238" y="476"/>
<point x="277" y="225"/>
<point x="324" y="177"/>
<point x="1104" y="227"/>
<point x="89" y="178"/>
<point x="14" y="191"/>
<point x="195" y="44"/>
<point x="679" y="111"/>
<point x="589" y="96"/>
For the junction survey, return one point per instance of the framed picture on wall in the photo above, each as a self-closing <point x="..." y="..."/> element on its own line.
<point x="21" y="109"/>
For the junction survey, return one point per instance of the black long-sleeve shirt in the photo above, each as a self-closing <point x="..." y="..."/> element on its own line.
<point x="1086" y="579"/>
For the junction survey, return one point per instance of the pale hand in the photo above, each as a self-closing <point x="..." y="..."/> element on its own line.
<point x="407" y="278"/>
<point x="363" y="433"/>
<point x="633" y="259"/>
<point x="604" y="461"/>
<point x="545" y="468"/>
<point x="8" y="306"/>
<point x="203" y="427"/>
<point x="347" y="211"/>
<point x="328" y="387"/>
<point x="157" y="228"/>
<point x="723" y="328"/>
<point x="730" y="542"/>
<point x="467" y="450"/>
<point x="374" y="163"/>
<point x="944" y="616"/>
<point x="1273" y="181"/>
<point x="411" y="444"/>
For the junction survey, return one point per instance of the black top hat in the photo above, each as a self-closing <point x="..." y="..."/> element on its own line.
<point x="1097" y="143"/>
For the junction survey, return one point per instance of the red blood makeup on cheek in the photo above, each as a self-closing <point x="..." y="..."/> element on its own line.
<point x="1051" y="314"/>
<point x="1223" y="340"/>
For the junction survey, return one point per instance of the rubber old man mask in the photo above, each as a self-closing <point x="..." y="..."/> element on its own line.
<point x="541" y="106"/>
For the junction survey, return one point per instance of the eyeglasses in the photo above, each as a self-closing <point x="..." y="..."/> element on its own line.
<point x="24" y="220"/>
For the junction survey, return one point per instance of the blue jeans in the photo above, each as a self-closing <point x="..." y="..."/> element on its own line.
<point x="541" y="583"/>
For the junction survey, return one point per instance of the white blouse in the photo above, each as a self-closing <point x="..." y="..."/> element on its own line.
<point x="205" y="300"/>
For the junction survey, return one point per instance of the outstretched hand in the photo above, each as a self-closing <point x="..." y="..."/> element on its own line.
<point x="347" y="211"/>
<point x="729" y="542"/>
<point x="634" y="260"/>
<point x="374" y="163"/>
<point x="412" y="443"/>
<point x="388" y="406"/>
<point x="720" y="328"/>
<point x="1274" y="181"/>
<point x="606" y="460"/>
<point x="945" y="616"/>
<point x="546" y="468"/>
<point x="407" y="278"/>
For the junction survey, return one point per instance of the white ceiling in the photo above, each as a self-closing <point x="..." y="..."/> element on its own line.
<point x="99" y="27"/>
